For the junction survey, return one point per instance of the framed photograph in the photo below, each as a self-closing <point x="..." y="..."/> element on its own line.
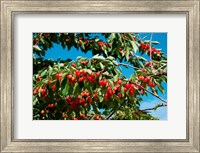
<point x="99" y="76"/>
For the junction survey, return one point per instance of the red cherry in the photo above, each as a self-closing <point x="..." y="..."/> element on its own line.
<point x="82" y="94"/>
<point x="103" y="83"/>
<point x="74" y="65"/>
<point x="92" y="75"/>
<point x="43" y="92"/>
<point x="53" y="87"/>
<point x="131" y="86"/>
<point x="119" y="81"/>
<point x="50" y="81"/>
<point x="85" y="63"/>
<point x="73" y="79"/>
<point x="96" y="117"/>
<point x="131" y="92"/>
<point x="115" y="88"/>
<point x="52" y="105"/>
<point x="82" y="116"/>
<point x="82" y="101"/>
<point x="151" y="84"/>
<point x="98" y="74"/>
<point x="42" y="112"/>
<point x="69" y="76"/>
<point x="74" y="118"/>
<point x="67" y="40"/>
<point x="89" y="100"/>
<point x="86" y="42"/>
<point x="147" y="79"/>
<point x="68" y="99"/>
<point x="81" y="79"/>
<point x="147" y="64"/>
<point x="109" y="91"/>
<point x="143" y="70"/>
<point x="84" y="72"/>
<point x="106" y="97"/>
<point x="141" y="78"/>
<point x="127" y="86"/>
<point x="125" y="89"/>
<point x="39" y="78"/>
<point x="142" y="92"/>
<point x="119" y="96"/>
<point x="95" y="94"/>
<point x="34" y="91"/>
<point x="58" y="76"/>
<point x="77" y="73"/>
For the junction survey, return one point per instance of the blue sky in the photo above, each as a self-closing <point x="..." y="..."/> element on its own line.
<point x="148" y="101"/>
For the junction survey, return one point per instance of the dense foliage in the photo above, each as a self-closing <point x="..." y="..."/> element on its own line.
<point x="95" y="88"/>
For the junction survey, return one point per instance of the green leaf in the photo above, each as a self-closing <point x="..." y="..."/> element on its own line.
<point x="112" y="37"/>
<point x="44" y="73"/>
<point x="130" y="36"/>
<point x="154" y="91"/>
<point x="117" y="71"/>
<point x="152" y="42"/>
<point x="135" y="47"/>
<point x="156" y="107"/>
<point x="79" y="57"/>
<point x="82" y="45"/>
<point x="50" y="70"/>
<point x="35" y="101"/>
<point x="116" y="98"/>
<point x="111" y="58"/>
<point x="97" y="57"/>
<point x="66" y="88"/>
<point x="127" y="54"/>
<point x="115" y="62"/>
<point x="116" y="78"/>
<point x="141" y="64"/>
<point x="160" y="87"/>
<point x="111" y="83"/>
<point x="75" y="88"/>
<point x="101" y="65"/>
<point x="36" y="48"/>
<point x="100" y="98"/>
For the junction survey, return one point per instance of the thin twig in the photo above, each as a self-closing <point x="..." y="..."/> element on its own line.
<point x="111" y="114"/>
<point x="160" y="105"/>
<point x="158" y="74"/>
<point x="160" y="68"/>
<point x="129" y="66"/>
<point x="150" y="50"/>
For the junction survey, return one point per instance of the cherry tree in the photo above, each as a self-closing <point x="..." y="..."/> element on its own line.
<point x="95" y="88"/>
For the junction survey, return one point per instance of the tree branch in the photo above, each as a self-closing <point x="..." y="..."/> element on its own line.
<point x="146" y="89"/>
<point x="111" y="113"/>
<point x="158" y="74"/>
<point x="160" y="105"/>
<point x="150" y="92"/>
